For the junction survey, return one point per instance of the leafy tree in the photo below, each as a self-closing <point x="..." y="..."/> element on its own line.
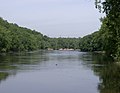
<point x="15" y="38"/>
<point x="112" y="10"/>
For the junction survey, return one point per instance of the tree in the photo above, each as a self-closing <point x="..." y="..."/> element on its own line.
<point x="112" y="10"/>
<point x="15" y="38"/>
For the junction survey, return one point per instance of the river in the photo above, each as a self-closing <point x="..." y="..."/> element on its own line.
<point x="58" y="72"/>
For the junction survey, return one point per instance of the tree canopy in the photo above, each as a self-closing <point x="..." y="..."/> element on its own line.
<point x="112" y="25"/>
<point x="15" y="38"/>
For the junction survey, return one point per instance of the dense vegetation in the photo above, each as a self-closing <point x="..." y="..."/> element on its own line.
<point x="92" y="42"/>
<point x="14" y="38"/>
<point x="108" y="37"/>
<point x="64" y="43"/>
<point x="111" y="26"/>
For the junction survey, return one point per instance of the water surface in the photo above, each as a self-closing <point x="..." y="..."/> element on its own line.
<point x="58" y="72"/>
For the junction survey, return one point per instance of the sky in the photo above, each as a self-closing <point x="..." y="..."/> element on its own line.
<point x="54" y="18"/>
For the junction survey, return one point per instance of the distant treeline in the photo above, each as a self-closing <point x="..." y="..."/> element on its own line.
<point x="14" y="38"/>
<point x="64" y="43"/>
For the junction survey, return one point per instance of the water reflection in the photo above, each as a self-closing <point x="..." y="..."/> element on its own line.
<point x="10" y="64"/>
<point x="107" y="70"/>
<point x="109" y="79"/>
<point x="3" y="76"/>
<point x="72" y="62"/>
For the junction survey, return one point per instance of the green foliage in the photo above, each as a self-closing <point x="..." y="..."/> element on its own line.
<point x="64" y="43"/>
<point x="15" y="38"/>
<point x="93" y="42"/>
<point x="112" y="22"/>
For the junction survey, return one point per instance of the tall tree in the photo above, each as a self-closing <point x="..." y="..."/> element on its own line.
<point x="112" y="10"/>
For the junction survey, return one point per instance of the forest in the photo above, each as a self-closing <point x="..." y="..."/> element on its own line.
<point x="108" y="36"/>
<point x="14" y="38"/>
<point x="110" y="26"/>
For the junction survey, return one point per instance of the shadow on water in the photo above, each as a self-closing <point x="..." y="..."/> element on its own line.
<point x="107" y="71"/>
<point x="102" y="66"/>
<point x="3" y="76"/>
<point x="12" y="63"/>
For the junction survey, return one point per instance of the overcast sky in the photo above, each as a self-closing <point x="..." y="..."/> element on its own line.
<point x="55" y="18"/>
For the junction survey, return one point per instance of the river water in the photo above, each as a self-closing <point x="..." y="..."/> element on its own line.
<point x="58" y="72"/>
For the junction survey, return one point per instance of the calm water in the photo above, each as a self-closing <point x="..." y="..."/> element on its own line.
<point x="58" y="72"/>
